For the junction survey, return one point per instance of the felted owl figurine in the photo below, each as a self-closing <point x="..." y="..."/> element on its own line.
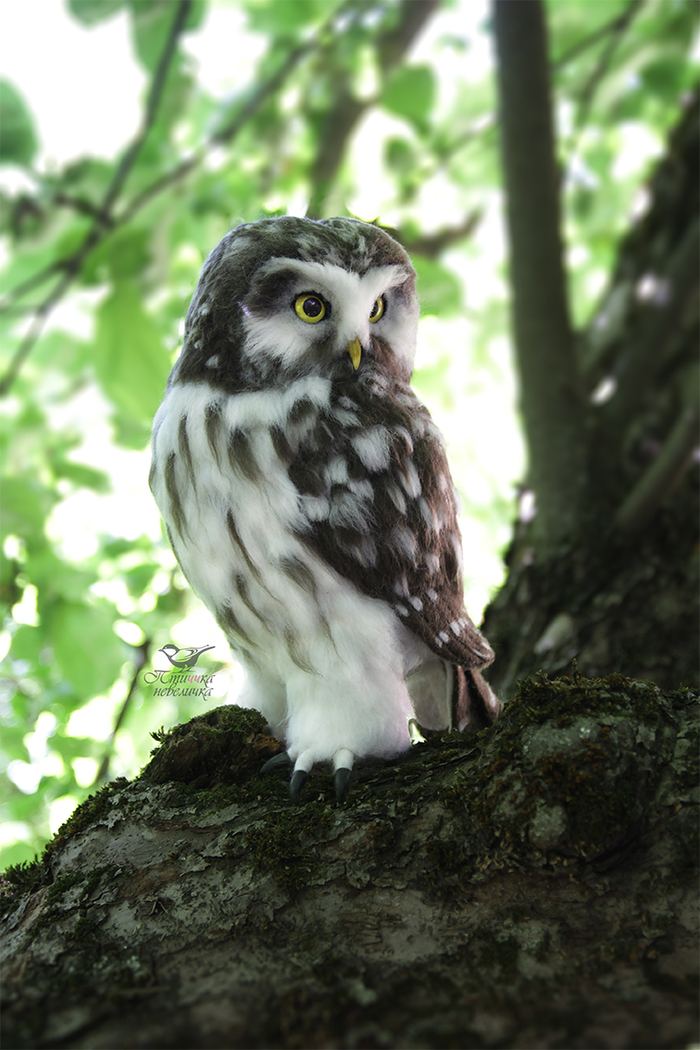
<point x="308" y="498"/>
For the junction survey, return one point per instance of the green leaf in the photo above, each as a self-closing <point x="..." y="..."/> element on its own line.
<point x="90" y="12"/>
<point x="87" y="650"/>
<point x="25" y="507"/>
<point x="18" y="143"/>
<point x="439" y="290"/>
<point x="400" y="156"/>
<point x="124" y="254"/>
<point x="82" y="476"/>
<point x="26" y="644"/>
<point x="410" y="93"/>
<point x="285" y="17"/>
<point x="152" y="22"/>
<point x="130" y="360"/>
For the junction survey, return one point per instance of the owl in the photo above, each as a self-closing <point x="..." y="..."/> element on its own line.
<point x="308" y="498"/>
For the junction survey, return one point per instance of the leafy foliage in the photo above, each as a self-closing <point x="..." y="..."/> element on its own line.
<point x="351" y="109"/>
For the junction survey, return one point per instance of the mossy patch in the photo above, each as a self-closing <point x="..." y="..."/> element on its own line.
<point x="570" y="769"/>
<point x="285" y="846"/>
<point x="222" y="747"/>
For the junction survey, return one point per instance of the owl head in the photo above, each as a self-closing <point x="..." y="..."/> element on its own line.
<point x="284" y="298"/>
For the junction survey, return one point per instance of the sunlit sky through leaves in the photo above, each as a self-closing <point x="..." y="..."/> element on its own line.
<point x="85" y="90"/>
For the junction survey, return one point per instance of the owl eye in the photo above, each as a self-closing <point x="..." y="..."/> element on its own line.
<point x="377" y="310"/>
<point x="310" y="308"/>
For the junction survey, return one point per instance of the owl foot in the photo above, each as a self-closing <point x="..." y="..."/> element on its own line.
<point x="342" y="764"/>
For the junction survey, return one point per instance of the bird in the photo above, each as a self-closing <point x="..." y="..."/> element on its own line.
<point x="183" y="659"/>
<point x="308" y="499"/>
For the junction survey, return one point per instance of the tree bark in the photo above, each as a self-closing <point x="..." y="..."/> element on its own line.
<point x="529" y="886"/>
<point x="624" y="596"/>
<point x="550" y="386"/>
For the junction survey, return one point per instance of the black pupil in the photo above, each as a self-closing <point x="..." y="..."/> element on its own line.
<point x="312" y="307"/>
<point x="375" y="308"/>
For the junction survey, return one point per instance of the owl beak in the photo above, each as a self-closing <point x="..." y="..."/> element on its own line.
<point x="355" y="351"/>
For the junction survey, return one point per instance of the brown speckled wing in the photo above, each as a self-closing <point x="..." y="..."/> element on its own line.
<point x="380" y="507"/>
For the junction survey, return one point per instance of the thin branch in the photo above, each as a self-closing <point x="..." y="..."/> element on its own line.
<point x="35" y="328"/>
<point x="432" y="244"/>
<point x="152" y="105"/>
<point x="616" y="25"/>
<point x="103" y="222"/>
<point x="141" y="657"/>
<point x="223" y="135"/>
<point x="107" y="222"/>
<point x="662" y="476"/>
<point x="648" y="354"/>
<point x="603" y="64"/>
<point x="346" y="110"/>
<point x="549" y="378"/>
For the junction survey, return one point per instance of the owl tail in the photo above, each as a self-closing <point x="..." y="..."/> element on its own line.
<point x="474" y="703"/>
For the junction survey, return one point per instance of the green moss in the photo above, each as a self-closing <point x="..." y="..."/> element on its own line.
<point x="570" y="770"/>
<point x="88" y="813"/>
<point x="284" y="845"/>
<point x="62" y="884"/>
<point x="224" y="746"/>
<point x="84" y="929"/>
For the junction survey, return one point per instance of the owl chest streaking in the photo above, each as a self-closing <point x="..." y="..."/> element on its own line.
<point x="307" y="493"/>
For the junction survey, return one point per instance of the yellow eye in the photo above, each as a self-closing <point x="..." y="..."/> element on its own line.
<point x="310" y="308"/>
<point x="377" y="310"/>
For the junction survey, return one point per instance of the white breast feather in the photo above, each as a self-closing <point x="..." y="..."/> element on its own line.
<point x="340" y="682"/>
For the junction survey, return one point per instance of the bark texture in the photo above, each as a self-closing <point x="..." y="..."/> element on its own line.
<point x="532" y="885"/>
<point x="623" y="594"/>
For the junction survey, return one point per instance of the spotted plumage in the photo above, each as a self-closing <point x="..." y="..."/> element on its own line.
<point x="308" y="497"/>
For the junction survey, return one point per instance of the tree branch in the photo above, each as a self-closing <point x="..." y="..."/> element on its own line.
<point x="108" y="222"/>
<point x="662" y="476"/>
<point x="615" y="33"/>
<point x="647" y="355"/>
<point x="549" y="379"/>
<point x="615" y="27"/>
<point x="140" y="659"/>
<point x="103" y="221"/>
<point x="345" y="111"/>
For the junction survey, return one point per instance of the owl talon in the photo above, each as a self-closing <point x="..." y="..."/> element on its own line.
<point x="296" y="784"/>
<point x="341" y="781"/>
<point x="342" y="763"/>
<point x="276" y="762"/>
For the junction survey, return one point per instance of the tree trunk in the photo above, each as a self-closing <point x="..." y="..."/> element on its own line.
<point x="622" y="595"/>
<point x="529" y="886"/>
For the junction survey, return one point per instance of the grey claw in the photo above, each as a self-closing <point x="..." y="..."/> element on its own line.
<point x="341" y="781"/>
<point x="282" y="759"/>
<point x="296" y="784"/>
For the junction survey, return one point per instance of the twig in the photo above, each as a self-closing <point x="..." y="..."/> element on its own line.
<point x="152" y="105"/>
<point x="103" y="221"/>
<point x="662" y="476"/>
<point x="602" y="65"/>
<point x="431" y="245"/>
<point x="648" y="354"/>
<point x="38" y="321"/>
<point x="223" y="135"/>
<point x="346" y="110"/>
<point x="615" y="25"/>
<point x="141" y="657"/>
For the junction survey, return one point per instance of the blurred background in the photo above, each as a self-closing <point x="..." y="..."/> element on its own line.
<point x="134" y="134"/>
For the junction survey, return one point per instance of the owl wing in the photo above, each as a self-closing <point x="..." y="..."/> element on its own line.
<point x="379" y="507"/>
